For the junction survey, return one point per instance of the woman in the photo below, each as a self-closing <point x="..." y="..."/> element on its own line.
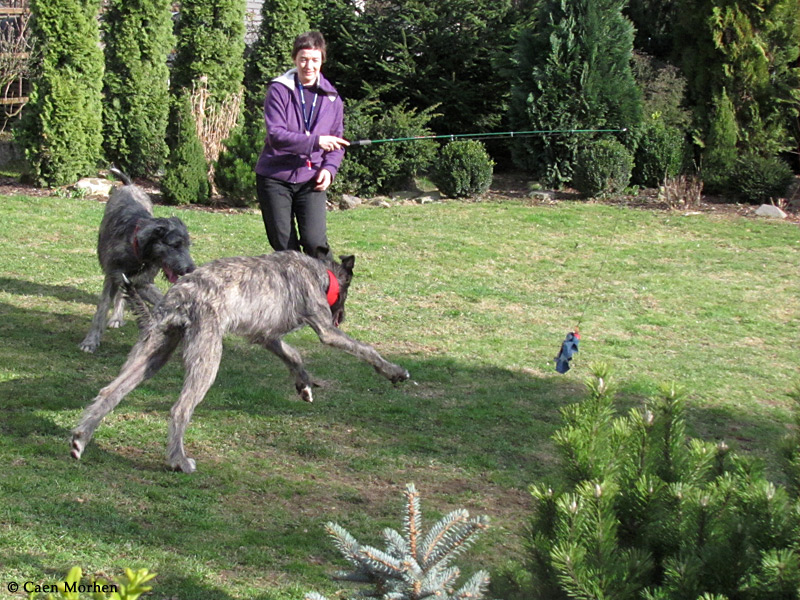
<point x="302" y="151"/>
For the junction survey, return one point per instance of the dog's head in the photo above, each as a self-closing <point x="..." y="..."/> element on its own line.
<point x="165" y="242"/>
<point x="343" y="272"/>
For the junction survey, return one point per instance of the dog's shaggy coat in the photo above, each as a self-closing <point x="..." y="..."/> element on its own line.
<point x="261" y="298"/>
<point x="137" y="245"/>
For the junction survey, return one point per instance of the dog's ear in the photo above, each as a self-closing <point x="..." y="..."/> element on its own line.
<point x="348" y="262"/>
<point x="322" y="253"/>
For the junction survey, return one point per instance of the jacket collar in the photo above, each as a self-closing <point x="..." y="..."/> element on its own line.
<point x="324" y="86"/>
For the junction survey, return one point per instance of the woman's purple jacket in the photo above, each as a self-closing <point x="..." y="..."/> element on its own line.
<point x="287" y="148"/>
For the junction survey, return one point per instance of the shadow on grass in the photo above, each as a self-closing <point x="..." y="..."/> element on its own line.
<point x="272" y="469"/>
<point x="64" y="293"/>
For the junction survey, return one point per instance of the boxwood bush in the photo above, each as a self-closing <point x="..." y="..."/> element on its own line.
<point x="603" y="167"/>
<point x="463" y="169"/>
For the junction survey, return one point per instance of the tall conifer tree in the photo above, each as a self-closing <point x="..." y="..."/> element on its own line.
<point x="573" y="72"/>
<point x="61" y="130"/>
<point x="138" y="38"/>
<point x="210" y="44"/>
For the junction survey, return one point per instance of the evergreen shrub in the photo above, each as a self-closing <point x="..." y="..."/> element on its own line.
<point x="572" y="71"/>
<point x="463" y="169"/>
<point x="271" y="53"/>
<point x="138" y="39"/>
<point x="186" y="173"/>
<point x="659" y="154"/>
<point x="386" y="167"/>
<point x="602" y="167"/>
<point x="61" y="130"/>
<point x="719" y="146"/>
<point x="758" y="179"/>
<point x="647" y="513"/>
<point x="234" y="175"/>
<point x="209" y="44"/>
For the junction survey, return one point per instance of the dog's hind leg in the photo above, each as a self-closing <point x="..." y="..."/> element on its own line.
<point x="145" y="359"/>
<point x="332" y="336"/>
<point x="92" y="339"/>
<point x="293" y="360"/>
<point x="201" y="356"/>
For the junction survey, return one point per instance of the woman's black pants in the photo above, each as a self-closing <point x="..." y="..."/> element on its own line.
<point x="283" y="204"/>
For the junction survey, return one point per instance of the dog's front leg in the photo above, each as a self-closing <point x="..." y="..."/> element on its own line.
<point x="92" y="339"/>
<point x="151" y="293"/>
<point x="117" y="319"/>
<point x="292" y="359"/>
<point x="332" y="336"/>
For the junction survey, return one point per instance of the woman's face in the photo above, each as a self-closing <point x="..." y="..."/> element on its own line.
<point x="308" y="63"/>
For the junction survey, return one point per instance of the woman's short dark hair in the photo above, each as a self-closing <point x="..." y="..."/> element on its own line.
<point x="310" y="40"/>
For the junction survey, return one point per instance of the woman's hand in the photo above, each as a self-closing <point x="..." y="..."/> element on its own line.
<point x="324" y="180"/>
<point x="331" y="142"/>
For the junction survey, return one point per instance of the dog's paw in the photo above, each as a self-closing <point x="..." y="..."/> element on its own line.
<point x="305" y="394"/>
<point x="89" y="345"/>
<point x="403" y="376"/>
<point x="395" y="373"/>
<point x="115" y="323"/>
<point x="185" y="464"/>
<point x="76" y="447"/>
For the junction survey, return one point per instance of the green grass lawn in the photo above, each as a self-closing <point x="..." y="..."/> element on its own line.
<point x="473" y="298"/>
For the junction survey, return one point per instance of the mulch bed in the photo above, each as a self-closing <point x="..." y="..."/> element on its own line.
<point x="505" y="186"/>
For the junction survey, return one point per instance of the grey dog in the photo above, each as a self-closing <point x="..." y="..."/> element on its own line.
<point x="261" y="298"/>
<point x="133" y="243"/>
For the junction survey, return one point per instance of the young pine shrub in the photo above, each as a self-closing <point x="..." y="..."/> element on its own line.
<point x="759" y="179"/>
<point x="790" y="445"/>
<point x="646" y="513"/>
<point x="463" y="169"/>
<point x="414" y="565"/>
<point x="602" y="167"/>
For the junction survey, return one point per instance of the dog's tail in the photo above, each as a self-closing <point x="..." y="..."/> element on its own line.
<point x="122" y="176"/>
<point x="144" y="318"/>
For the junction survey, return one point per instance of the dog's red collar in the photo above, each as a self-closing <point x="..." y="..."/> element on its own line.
<point x="333" y="288"/>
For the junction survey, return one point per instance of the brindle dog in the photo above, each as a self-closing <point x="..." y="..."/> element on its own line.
<point x="137" y="245"/>
<point x="261" y="298"/>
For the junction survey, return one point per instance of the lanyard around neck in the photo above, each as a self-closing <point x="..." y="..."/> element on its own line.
<point x="307" y="119"/>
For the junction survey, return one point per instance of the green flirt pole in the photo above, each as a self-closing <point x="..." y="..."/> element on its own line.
<point x="509" y="134"/>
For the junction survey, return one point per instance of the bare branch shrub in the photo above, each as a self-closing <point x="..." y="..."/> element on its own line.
<point x="683" y="191"/>
<point x="214" y="121"/>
